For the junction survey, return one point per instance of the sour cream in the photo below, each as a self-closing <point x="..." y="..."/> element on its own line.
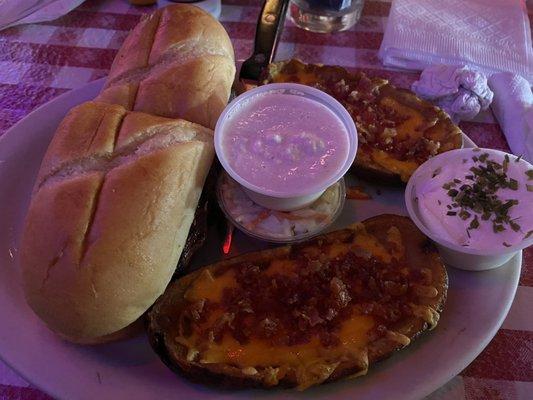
<point x="445" y="216"/>
<point x="284" y="145"/>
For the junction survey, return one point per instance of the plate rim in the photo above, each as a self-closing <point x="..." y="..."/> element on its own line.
<point x="417" y="392"/>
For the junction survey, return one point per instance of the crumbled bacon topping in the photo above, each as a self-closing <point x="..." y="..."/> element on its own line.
<point x="289" y="309"/>
<point x="362" y="96"/>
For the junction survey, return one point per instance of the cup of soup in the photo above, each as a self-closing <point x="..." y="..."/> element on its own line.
<point x="285" y="143"/>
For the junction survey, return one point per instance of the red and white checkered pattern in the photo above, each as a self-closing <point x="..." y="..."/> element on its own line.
<point x="41" y="61"/>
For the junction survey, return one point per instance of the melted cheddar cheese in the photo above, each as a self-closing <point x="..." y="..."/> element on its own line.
<point x="311" y="362"/>
<point x="403" y="168"/>
<point x="258" y="353"/>
<point x="414" y="124"/>
<point x="207" y="287"/>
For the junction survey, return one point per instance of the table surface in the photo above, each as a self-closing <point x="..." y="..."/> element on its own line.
<point x="41" y="61"/>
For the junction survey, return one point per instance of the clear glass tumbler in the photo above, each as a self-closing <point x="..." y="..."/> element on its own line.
<point x="325" y="15"/>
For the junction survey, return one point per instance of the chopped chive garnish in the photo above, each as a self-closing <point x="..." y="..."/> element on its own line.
<point x="514" y="226"/>
<point x="436" y="172"/>
<point x="513" y="184"/>
<point x="464" y="214"/>
<point x="506" y="244"/>
<point x="498" y="228"/>
<point x="478" y="194"/>
<point x="505" y="163"/>
<point x="474" y="224"/>
<point x="453" y="192"/>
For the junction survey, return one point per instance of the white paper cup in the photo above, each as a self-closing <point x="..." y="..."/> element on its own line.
<point x="292" y="201"/>
<point x="453" y="254"/>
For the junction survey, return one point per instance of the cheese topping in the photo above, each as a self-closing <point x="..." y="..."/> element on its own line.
<point x="403" y="168"/>
<point x="249" y="327"/>
<point x="413" y="126"/>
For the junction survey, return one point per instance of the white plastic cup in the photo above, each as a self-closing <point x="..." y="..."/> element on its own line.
<point x="453" y="254"/>
<point x="292" y="201"/>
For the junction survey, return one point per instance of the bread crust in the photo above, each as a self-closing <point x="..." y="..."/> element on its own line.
<point x="162" y="318"/>
<point x="109" y="216"/>
<point x="178" y="62"/>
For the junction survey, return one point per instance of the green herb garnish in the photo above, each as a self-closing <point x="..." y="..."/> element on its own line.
<point x="498" y="228"/>
<point x="453" y="192"/>
<point x="483" y="157"/>
<point x="464" y="214"/>
<point x="505" y="163"/>
<point x="514" y="226"/>
<point x="478" y="194"/>
<point x="474" y="224"/>
<point x="436" y="172"/>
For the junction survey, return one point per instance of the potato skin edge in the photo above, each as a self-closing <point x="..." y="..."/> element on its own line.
<point x="412" y="327"/>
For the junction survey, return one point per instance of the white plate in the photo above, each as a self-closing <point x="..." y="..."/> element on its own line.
<point x="476" y="307"/>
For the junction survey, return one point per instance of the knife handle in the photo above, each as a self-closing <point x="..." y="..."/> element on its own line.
<point x="269" y="28"/>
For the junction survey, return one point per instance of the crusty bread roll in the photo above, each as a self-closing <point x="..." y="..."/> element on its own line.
<point x="110" y="212"/>
<point x="177" y="62"/>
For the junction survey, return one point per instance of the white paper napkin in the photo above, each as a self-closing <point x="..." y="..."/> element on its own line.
<point x="489" y="35"/>
<point x="458" y="90"/>
<point x="15" y="12"/>
<point x="513" y="107"/>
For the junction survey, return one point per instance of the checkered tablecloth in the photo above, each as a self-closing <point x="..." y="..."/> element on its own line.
<point x="41" y="61"/>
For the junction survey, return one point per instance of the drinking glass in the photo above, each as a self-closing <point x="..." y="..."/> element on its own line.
<point x="325" y="15"/>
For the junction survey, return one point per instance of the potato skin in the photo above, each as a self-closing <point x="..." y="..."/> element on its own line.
<point x="163" y="314"/>
<point x="444" y="131"/>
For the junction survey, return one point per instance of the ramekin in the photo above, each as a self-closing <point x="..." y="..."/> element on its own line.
<point x="452" y="254"/>
<point x="281" y="201"/>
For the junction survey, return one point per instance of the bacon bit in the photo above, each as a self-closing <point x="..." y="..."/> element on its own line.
<point x="357" y="193"/>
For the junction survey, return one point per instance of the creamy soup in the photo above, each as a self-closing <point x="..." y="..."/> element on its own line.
<point x="285" y="144"/>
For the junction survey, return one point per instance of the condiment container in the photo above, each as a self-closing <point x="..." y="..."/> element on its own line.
<point x="279" y="226"/>
<point x="453" y="254"/>
<point x="262" y="196"/>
